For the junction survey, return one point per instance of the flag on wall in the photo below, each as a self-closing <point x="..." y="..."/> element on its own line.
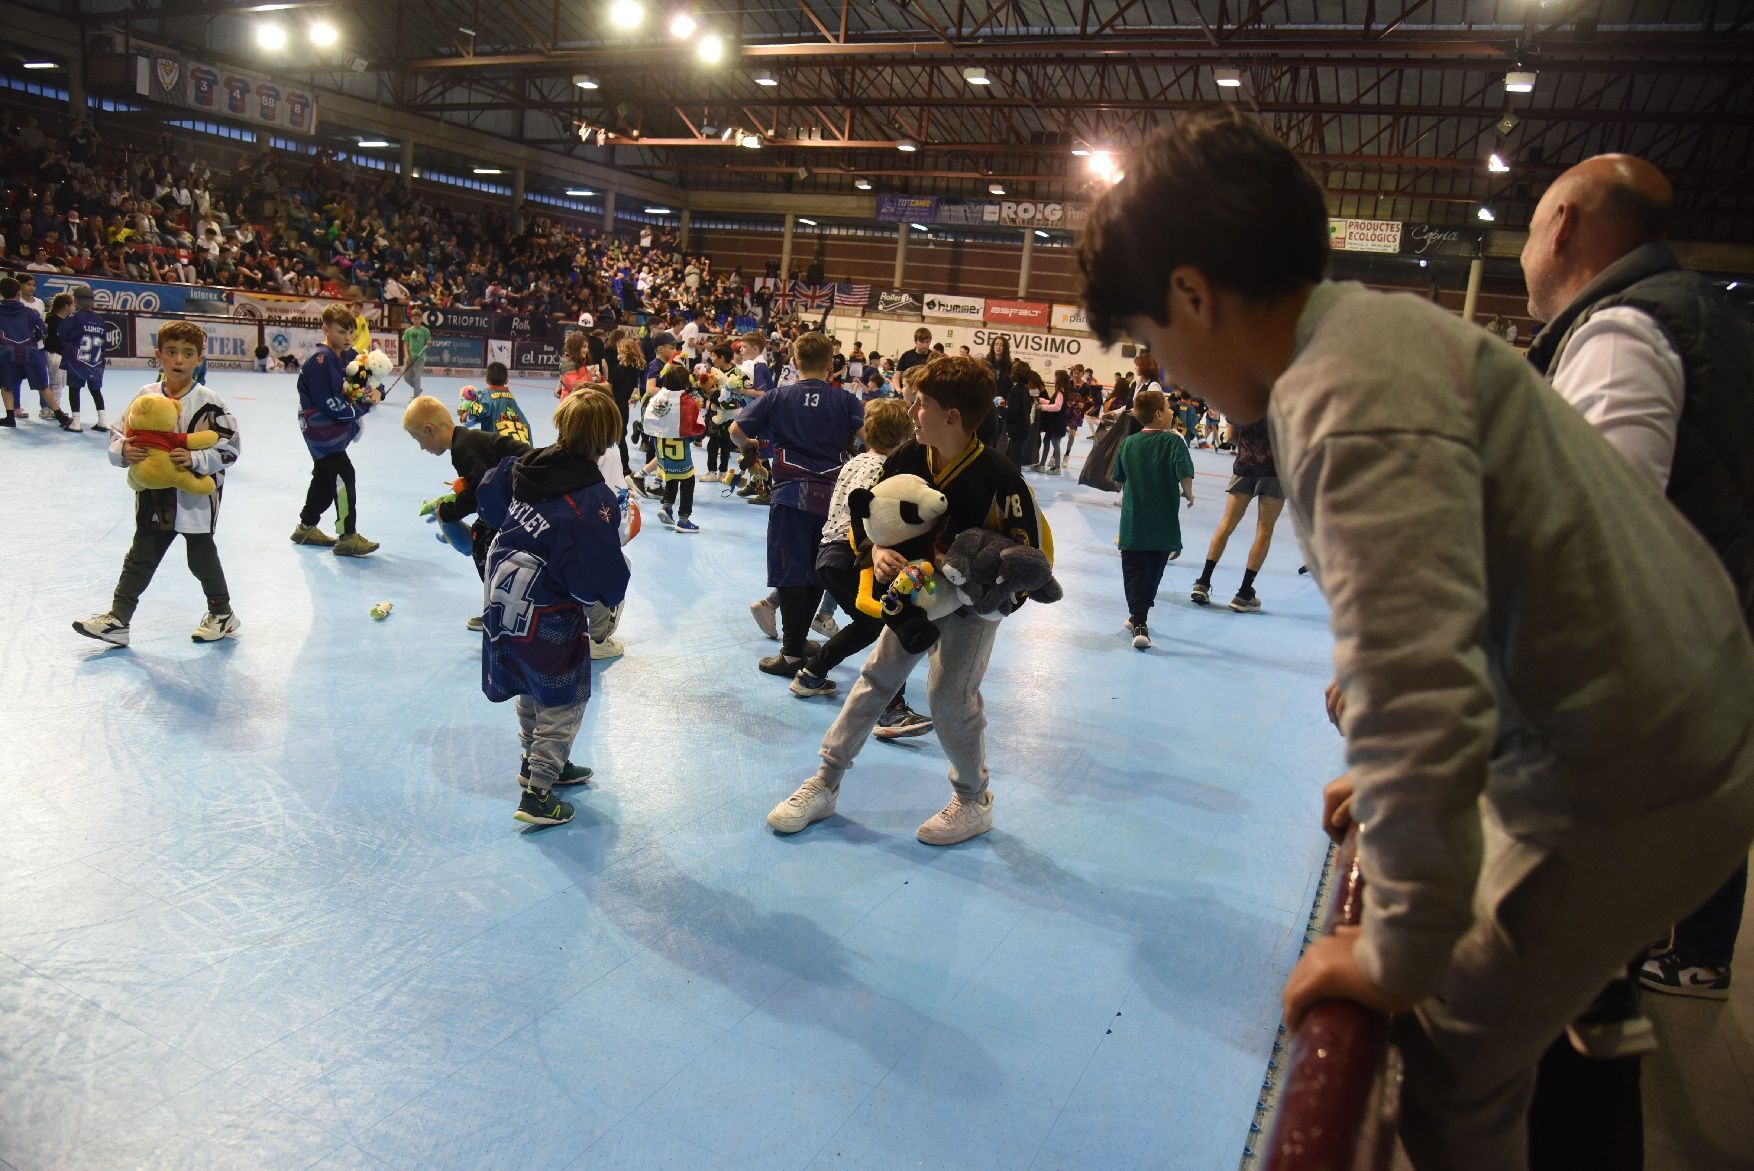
<point x="854" y="295"/>
<point x="812" y="296"/>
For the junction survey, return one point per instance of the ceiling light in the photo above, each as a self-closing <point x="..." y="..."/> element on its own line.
<point x="488" y="171"/>
<point x="919" y="227"/>
<point x="727" y="134"/>
<point x="657" y="211"/>
<point x="766" y="78"/>
<point x="465" y="30"/>
<point x="1102" y="165"/>
<point x="1080" y="151"/>
<point x="804" y="220"/>
<point x="907" y="146"/>
<point x="975" y="75"/>
<point x="1485" y="213"/>
<point x="627" y="14"/>
<point x="584" y="81"/>
<point x="682" y="26"/>
<point x="1519" y="81"/>
<point x="40" y="65"/>
<point x="1732" y="286"/>
<point x="1423" y="262"/>
<point x="373" y="143"/>
<point x="749" y="141"/>
<point x="1497" y="165"/>
<point x="324" y="33"/>
<point x="710" y="48"/>
<point x="862" y="184"/>
<point x="1226" y="77"/>
<point x="995" y="189"/>
<point x="580" y="191"/>
<point x="1041" y="233"/>
<point x="271" y="37"/>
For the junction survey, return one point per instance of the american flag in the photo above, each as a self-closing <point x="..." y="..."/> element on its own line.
<point x="851" y="294"/>
<point x="812" y="296"/>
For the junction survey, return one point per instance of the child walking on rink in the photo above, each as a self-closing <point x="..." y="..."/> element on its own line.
<point x="676" y="453"/>
<point x="1254" y="476"/>
<point x="984" y="491"/>
<point x="495" y="409"/>
<point x="557" y="552"/>
<point x="161" y="513"/>
<point x="330" y="422"/>
<point x="1151" y="467"/>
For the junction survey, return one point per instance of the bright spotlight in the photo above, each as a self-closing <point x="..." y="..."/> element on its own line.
<point x="766" y="78"/>
<point x="1497" y="165"/>
<point x="1520" y="81"/>
<point x="271" y="37"/>
<point x="975" y="75"/>
<point x="995" y="189"/>
<point x="1227" y="77"/>
<point x="584" y="81"/>
<point x="1485" y="213"/>
<point x="1102" y="164"/>
<point x="862" y="184"/>
<point x="907" y="146"/>
<point x="324" y="34"/>
<point x="627" y="14"/>
<point x="749" y="141"/>
<point x="710" y="48"/>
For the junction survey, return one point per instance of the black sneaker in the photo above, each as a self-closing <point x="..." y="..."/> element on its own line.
<point x="542" y="808"/>
<point x="805" y="685"/>
<point x="1673" y="974"/>
<point x="782" y="665"/>
<point x="1201" y="593"/>
<point x="572" y="774"/>
<point x="902" y="721"/>
<point x="1141" y="637"/>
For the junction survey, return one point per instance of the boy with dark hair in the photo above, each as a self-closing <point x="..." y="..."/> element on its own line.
<point x="162" y="513"/>
<point x="415" y="339"/>
<point x="952" y="396"/>
<point x="810" y="425"/>
<point x="557" y="552"/>
<point x="329" y="420"/>
<point x="498" y="411"/>
<point x="1484" y="554"/>
<point x="1152" y="467"/>
<point x="21" y="334"/>
<point x="84" y="338"/>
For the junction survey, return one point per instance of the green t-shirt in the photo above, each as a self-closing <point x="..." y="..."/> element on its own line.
<point x="1150" y="467"/>
<point x="414" y="340"/>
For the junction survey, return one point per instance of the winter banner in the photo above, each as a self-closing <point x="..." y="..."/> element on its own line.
<point x="176" y="80"/>
<point x="230" y="344"/>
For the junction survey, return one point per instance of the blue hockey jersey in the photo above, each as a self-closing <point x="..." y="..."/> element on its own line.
<point x="84" y="337"/>
<point x="329" y="420"/>
<point x="558" y="550"/>
<point x="21" y="331"/>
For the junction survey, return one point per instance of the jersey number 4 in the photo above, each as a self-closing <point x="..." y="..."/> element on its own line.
<point x="509" y="592"/>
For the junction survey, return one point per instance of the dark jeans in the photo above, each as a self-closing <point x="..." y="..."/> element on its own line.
<point x="718" y="450"/>
<point x="686" y="488"/>
<point x="1141" y="574"/>
<point x="148" y="549"/>
<point x="1585" y="1113"/>
<point x="332" y="483"/>
<point x="841" y="581"/>
<point x="1708" y="935"/>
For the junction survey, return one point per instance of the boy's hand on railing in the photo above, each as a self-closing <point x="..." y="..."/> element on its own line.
<point x="1329" y="971"/>
<point x="1337" y="807"/>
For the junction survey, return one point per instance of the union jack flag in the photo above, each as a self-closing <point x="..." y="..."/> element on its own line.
<point x="851" y="294"/>
<point x="812" y="296"/>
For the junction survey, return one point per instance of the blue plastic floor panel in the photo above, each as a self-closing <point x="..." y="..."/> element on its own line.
<point x="263" y="904"/>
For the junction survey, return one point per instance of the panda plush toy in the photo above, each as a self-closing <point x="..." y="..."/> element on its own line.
<point x="902" y="513"/>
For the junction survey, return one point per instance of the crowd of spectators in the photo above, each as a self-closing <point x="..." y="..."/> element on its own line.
<point x="321" y="226"/>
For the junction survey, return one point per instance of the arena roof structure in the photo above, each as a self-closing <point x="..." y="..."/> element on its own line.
<point x="1440" y="111"/>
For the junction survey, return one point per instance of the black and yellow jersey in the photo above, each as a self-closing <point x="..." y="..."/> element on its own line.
<point x="983" y="491"/>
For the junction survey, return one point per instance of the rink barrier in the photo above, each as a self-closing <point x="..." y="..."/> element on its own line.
<point x="1337" y="1085"/>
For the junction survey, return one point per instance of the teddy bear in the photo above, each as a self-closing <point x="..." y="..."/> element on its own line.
<point x="151" y="423"/>
<point x="365" y="374"/>
<point x="987" y="570"/>
<point x="902" y="513"/>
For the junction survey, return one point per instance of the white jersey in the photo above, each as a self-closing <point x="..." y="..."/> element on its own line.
<point x="42" y="312"/>
<point x="198" y="410"/>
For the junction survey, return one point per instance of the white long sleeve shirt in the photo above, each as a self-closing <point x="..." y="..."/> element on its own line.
<point x="1620" y="372"/>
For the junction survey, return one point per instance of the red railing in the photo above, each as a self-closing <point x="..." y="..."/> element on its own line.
<point x="1335" y="1107"/>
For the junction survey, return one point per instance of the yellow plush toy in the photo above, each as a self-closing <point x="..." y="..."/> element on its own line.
<point x="151" y="423"/>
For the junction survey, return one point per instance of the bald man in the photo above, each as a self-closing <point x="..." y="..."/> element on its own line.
<point x="1657" y="360"/>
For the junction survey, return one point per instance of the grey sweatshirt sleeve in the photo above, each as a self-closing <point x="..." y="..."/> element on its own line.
<point x="1396" y="523"/>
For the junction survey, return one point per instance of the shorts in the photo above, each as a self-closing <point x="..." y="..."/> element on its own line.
<point x="793" y="537"/>
<point x="1256" y="486"/>
<point x="79" y="381"/>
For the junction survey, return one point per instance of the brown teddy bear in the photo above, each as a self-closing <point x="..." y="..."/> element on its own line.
<point x="151" y="423"/>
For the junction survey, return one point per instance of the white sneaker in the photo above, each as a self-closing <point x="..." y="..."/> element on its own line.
<point x="76" y="425"/>
<point x="766" y="617"/>
<point x="475" y="624"/>
<point x="956" y="822"/>
<point x="105" y="628"/>
<point x="812" y="802"/>
<point x="824" y="625"/>
<point x="213" y="627"/>
<point x="607" y="649"/>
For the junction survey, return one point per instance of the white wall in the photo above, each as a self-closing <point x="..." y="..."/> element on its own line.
<point x="1046" y="352"/>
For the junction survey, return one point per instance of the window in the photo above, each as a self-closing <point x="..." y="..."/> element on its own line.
<point x="235" y="133"/>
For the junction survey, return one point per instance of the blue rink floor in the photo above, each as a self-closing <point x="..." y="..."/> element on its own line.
<point x="263" y="903"/>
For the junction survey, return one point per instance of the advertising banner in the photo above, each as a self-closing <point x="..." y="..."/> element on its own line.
<point x="1069" y="317"/>
<point x="901" y="209"/>
<point x="1364" y="235"/>
<point x="1032" y="346"/>
<point x="455" y="320"/>
<point x="288" y="308"/>
<point x="968" y="213"/>
<point x="499" y="350"/>
<point x="956" y="306"/>
<point x="231" y="345"/>
<point x="898" y="301"/>
<point x="537" y="354"/>
<point x="466" y="352"/>
<point x="1432" y="240"/>
<point x="291" y="341"/>
<point x="138" y="296"/>
<point x="119" y="335"/>
<point x="1029" y="213"/>
<point x="1016" y="313"/>
<point x="176" y="80"/>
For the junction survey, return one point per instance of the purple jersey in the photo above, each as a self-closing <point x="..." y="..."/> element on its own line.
<point x="809" y="424"/>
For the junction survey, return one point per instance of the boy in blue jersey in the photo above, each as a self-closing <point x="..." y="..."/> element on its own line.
<point x="84" y="338"/>
<point x="556" y="553"/>
<point x="21" y="336"/>
<point x="495" y="410"/>
<point x="810" y="425"/>
<point x="330" y="422"/>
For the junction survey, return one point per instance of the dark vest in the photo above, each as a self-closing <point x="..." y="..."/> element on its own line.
<point x="1712" y="480"/>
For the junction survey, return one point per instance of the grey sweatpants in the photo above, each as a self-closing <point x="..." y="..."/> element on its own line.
<point x="953" y="689"/>
<point x="547" y="734"/>
<point x="1552" y="923"/>
<point x="412" y="373"/>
